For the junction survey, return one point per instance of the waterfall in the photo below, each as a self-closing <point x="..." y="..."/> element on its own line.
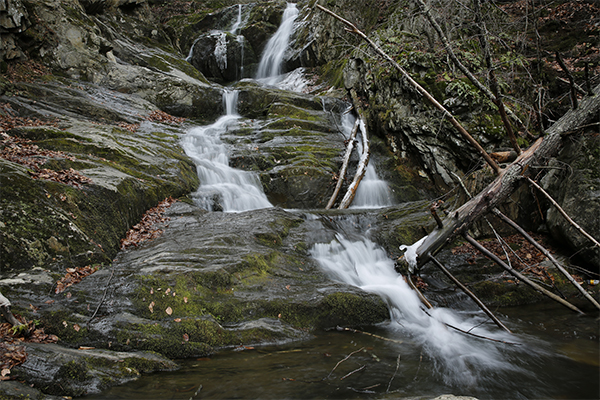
<point x="458" y="359"/>
<point x="222" y="188"/>
<point x="238" y="21"/>
<point x="269" y="68"/>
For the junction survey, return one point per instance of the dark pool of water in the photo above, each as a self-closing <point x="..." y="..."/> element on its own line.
<point x="557" y="358"/>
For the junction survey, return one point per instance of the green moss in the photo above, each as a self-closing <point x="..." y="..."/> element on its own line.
<point x="333" y="72"/>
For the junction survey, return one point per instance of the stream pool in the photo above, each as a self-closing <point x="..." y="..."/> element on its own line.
<point x="557" y="358"/>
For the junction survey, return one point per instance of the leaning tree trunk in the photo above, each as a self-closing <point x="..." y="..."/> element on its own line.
<point x="510" y="179"/>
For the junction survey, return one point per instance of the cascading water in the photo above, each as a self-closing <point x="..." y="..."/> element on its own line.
<point x="269" y="68"/>
<point x="222" y="188"/>
<point x="238" y="22"/>
<point x="458" y="360"/>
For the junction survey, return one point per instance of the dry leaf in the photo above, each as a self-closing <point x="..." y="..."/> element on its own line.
<point x="76" y="327"/>
<point x="5" y="372"/>
<point x="151" y="307"/>
<point x="65" y="324"/>
<point x="86" y="348"/>
<point x="186" y="337"/>
<point x="169" y="310"/>
<point x="185" y="299"/>
<point x="177" y="319"/>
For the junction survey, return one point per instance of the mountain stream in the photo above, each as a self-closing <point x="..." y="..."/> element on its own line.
<point x="415" y="354"/>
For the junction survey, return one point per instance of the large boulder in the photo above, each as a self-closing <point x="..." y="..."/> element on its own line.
<point x="574" y="182"/>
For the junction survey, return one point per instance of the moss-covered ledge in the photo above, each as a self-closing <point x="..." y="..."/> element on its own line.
<point x="127" y="171"/>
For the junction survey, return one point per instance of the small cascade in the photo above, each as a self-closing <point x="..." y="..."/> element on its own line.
<point x="269" y="68"/>
<point x="459" y="360"/>
<point x="221" y="50"/>
<point x="222" y="188"/>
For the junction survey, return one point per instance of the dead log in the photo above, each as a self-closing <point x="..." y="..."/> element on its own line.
<point x="466" y="135"/>
<point x="345" y="162"/>
<point x="503" y="186"/>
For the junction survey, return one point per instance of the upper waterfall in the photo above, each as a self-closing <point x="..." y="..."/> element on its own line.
<point x="269" y="68"/>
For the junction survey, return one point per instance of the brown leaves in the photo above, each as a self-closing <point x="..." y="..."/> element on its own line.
<point x="73" y="276"/>
<point x="154" y="116"/>
<point x="9" y="119"/>
<point x="66" y="176"/>
<point x="12" y="353"/>
<point x="24" y="152"/>
<point x="523" y="255"/>
<point x="146" y="229"/>
<point x="26" y="71"/>
<point x="163" y="117"/>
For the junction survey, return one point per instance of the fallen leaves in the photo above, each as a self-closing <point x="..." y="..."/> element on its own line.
<point x="73" y="276"/>
<point x="66" y="176"/>
<point x="12" y="352"/>
<point x="146" y="229"/>
<point x="24" y="152"/>
<point x="163" y="117"/>
<point x="523" y="255"/>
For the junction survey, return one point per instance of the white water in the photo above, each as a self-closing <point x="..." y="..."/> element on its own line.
<point x="269" y="68"/>
<point x="238" y="21"/>
<point x="458" y="359"/>
<point x="222" y="187"/>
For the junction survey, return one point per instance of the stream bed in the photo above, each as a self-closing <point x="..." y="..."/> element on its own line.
<point x="557" y="358"/>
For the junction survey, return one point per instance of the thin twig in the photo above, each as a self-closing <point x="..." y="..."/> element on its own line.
<point x="541" y="248"/>
<point x="393" y="376"/>
<point x="344" y="359"/>
<point x="112" y="272"/>
<point x="469" y="293"/>
<point x="519" y="275"/>
<point x="340" y="328"/>
<point x="350" y="373"/>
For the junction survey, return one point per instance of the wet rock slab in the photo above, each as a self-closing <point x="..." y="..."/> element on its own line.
<point x="212" y="280"/>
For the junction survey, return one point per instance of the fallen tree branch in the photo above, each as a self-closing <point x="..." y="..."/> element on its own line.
<point x="545" y="252"/>
<point x="469" y="293"/>
<point x="563" y="213"/>
<point x="345" y="162"/>
<point x="420" y="89"/>
<point x="519" y="275"/>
